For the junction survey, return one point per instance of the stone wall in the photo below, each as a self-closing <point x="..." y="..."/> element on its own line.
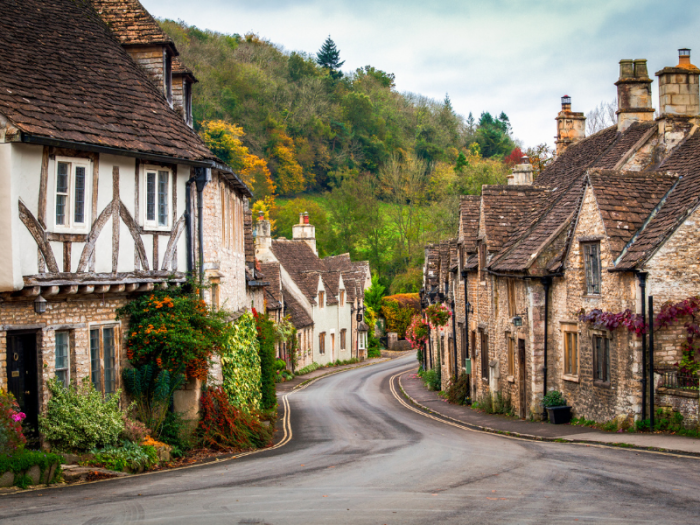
<point x="684" y="402"/>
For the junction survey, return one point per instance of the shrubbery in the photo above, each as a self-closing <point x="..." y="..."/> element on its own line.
<point x="240" y="363"/>
<point x="267" y="334"/>
<point x="307" y="369"/>
<point x="24" y="460"/>
<point x="130" y="456"/>
<point x="431" y="379"/>
<point x="78" y="418"/>
<point x="11" y="436"/>
<point x="458" y="391"/>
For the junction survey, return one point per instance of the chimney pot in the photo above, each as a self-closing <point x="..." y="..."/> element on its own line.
<point x="684" y="57"/>
<point x="306" y="218"/>
<point x="566" y="103"/>
<point x="571" y="126"/>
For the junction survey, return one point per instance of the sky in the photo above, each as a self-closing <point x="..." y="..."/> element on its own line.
<point x="516" y="56"/>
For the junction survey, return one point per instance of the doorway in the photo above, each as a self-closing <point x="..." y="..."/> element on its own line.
<point x="522" y="382"/>
<point x="22" y="378"/>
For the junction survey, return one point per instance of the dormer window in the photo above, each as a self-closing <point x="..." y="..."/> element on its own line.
<point x="71" y="184"/>
<point x="168" y="76"/>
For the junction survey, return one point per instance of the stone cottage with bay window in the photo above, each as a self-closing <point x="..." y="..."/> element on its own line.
<point x="611" y="221"/>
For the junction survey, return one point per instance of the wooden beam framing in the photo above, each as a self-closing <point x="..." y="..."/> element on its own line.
<point x="43" y="183"/>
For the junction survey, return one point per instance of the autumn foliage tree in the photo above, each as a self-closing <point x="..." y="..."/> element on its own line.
<point x="289" y="174"/>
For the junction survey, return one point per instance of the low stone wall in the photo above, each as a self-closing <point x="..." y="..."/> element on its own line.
<point x="683" y="401"/>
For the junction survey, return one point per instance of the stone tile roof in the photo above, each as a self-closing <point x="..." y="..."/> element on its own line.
<point x="298" y="316"/>
<point x="623" y="144"/>
<point x="625" y="200"/>
<point x="469" y="211"/>
<point x="273" y="292"/>
<point x="71" y="81"/>
<point x="248" y="239"/>
<point x="132" y="24"/>
<point x="181" y="69"/>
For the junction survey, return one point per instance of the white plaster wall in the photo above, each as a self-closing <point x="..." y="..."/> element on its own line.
<point x="26" y="176"/>
<point x="10" y="273"/>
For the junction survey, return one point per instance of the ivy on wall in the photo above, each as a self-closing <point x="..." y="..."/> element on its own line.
<point x="240" y="364"/>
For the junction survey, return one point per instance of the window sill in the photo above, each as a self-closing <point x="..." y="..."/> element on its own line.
<point x="591" y="296"/>
<point x="601" y="384"/>
<point x="571" y="379"/>
<point x="151" y="228"/>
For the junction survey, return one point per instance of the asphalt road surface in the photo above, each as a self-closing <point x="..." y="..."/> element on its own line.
<point x="357" y="456"/>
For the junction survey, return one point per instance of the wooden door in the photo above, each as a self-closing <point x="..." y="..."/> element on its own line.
<point x="485" y="356"/>
<point x="22" y="379"/>
<point x="522" y="381"/>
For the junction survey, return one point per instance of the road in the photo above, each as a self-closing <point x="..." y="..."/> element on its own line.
<point x="357" y="456"/>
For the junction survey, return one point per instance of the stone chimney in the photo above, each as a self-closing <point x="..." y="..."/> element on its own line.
<point x="305" y="231"/>
<point x="633" y="94"/>
<point x="571" y="127"/>
<point x="678" y="88"/>
<point x="521" y="174"/>
<point x="263" y="237"/>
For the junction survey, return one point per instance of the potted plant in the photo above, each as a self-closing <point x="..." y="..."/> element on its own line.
<point x="557" y="410"/>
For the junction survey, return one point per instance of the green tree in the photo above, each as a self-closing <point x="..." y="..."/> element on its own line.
<point x="328" y="57"/>
<point x="287" y="213"/>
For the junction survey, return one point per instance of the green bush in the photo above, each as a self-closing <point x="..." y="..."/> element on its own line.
<point x="310" y="368"/>
<point x="280" y="364"/>
<point x="432" y="380"/>
<point x="130" y="456"/>
<point x="240" y="364"/>
<point x="78" y="418"/>
<point x="24" y="460"/>
<point x="553" y="398"/>
<point x="496" y="403"/>
<point x="267" y="334"/>
<point x="458" y="391"/>
<point x="176" y="432"/>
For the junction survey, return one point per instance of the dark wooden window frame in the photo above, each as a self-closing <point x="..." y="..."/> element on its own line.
<point x="592" y="267"/>
<point x="100" y="372"/>
<point x="601" y="359"/>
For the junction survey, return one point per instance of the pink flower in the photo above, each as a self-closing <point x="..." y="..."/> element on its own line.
<point x="19" y="416"/>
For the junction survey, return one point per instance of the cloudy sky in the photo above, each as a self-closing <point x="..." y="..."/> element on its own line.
<point x="515" y="56"/>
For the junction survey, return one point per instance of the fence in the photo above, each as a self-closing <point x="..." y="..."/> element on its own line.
<point x="679" y="380"/>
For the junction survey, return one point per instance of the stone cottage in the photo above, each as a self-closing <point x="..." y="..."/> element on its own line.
<point x="609" y="222"/>
<point x="102" y="177"/>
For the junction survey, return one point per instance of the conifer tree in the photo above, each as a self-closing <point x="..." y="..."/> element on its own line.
<point x="328" y="57"/>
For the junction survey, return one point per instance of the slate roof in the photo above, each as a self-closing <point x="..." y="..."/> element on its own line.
<point x="625" y="200"/>
<point x="69" y="81"/>
<point x="469" y="211"/>
<point x="298" y="316"/>
<point x="625" y="142"/>
<point x="132" y="24"/>
<point x="273" y="292"/>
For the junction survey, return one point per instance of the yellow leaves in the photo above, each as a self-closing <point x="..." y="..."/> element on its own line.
<point x="267" y="206"/>
<point x="290" y="175"/>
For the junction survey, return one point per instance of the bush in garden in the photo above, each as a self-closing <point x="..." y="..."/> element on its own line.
<point x="78" y="418"/>
<point x="152" y="391"/>
<point x="176" y="432"/>
<point x="266" y="339"/>
<point x="130" y="456"/>
<point x="175" y="330"/>
<point x="431" y="379"/>
<point x="134" y="430"/>
<point x="309" y="368"/>
<point x="240" y="364"/>
<point x="398" y="311"/>
<point x="11" y="436"/>
<point x="224" y="426"/>
<point x="458" y="391"/>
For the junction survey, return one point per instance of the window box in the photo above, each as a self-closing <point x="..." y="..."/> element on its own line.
<point x="559" y="415"/>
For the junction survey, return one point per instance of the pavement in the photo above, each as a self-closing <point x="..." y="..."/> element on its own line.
<point x="415" y="389"/>
<point x="355" y="451"/>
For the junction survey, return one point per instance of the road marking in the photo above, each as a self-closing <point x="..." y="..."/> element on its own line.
<point x="447" y="420"/>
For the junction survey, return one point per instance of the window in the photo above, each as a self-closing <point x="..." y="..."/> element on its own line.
<point x="63" y="357"/>
<point x="591" y="254"/>
<point x="482" y="261"/>
<point x="342" y="298"/>
<point x="71" y="194"/>
<point x="511" y="298"/>
<point x="571" y="353"/>
<point x="157" y="198"/>
<point x="601" y="359"/>
<point x="322" y="343"/>
<point x="511" y="356"/>
<point x="485" y="356"/>
<point x="103" y="359"/>
<point x="187" y="100"/>
<point x="343" y="333"/>
<point x="168" y="77"/>
<point x="321" y="299"/>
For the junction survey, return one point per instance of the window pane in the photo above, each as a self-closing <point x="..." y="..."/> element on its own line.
<point x="163" y="198"/>
<point x="95" y="358"/>
<point x="150" y="196"/>
<point x="61" y="209"/>
<point x="62" y="356"/>
<point x="79" y="194"/>
<point x="62" y="178"/>
<point x="607" y="360"/>
<point x="109" y="364"/>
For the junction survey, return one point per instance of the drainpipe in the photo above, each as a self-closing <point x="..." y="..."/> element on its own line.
<point x="188" y="226"/>
<point x="651" y="361"/>
<point x="202" y="178"/>
<point x="466" y="324"/>
<point x="454" y="341"/>
<point x="546" y="283"/>
<point x="643" y="285"/>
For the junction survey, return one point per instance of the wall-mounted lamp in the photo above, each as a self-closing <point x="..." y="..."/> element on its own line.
<point x="517" y="321"/>
<point x="40" y="305"/>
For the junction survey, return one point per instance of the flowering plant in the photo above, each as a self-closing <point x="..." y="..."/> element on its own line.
<point x="417" y="332"/>
<point x="611" y="321"/>
<point x="438" y="314"/>
<point x="11" y="436"/>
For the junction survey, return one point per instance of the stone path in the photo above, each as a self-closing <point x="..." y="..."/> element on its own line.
<point x="414" y="387"/>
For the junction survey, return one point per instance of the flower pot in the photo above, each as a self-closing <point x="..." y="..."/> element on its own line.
<point x="559" y="415"/>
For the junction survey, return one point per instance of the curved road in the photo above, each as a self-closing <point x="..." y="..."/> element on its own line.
<point x="358" y="456"/>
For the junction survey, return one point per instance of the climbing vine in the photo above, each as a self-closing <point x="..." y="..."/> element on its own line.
<point x="240" y="363"/>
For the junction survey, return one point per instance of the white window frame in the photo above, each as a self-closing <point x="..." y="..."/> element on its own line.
<point x="155" y="224"/>
<point x="70" y="225"/>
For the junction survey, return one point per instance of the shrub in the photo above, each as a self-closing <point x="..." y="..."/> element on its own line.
<point x="280" y="364"/>
<point x="174" y="328"/>
<point x="553" y="398"/>
<point x="398" y="314"/>
<point x="176" y="432"/>
<point x="11" y="436"/>
<point x="152" y="391"/>
<point x="240" y="364"/>
<point x="134" y="430"/>
<point x="78" y="418"/>
<point x="266" y="339"/>
<point x="307" y="369"/>
<point x="495" y="403"/>
<point x="130" y="456"/>
<point x="458" y="391"/>
<point x="23" y="460"/>
<point x="432" y="380"/>
<point x="224" y="426"/>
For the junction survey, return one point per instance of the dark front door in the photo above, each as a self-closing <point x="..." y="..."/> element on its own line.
<point x="22" y="378"/>
<point x="522" y="382"/>
<point x="485" y="356"/>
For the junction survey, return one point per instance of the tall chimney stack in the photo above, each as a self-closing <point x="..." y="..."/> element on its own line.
<point x="521" y="174"/>
<point x="305" y="232"/>
<point x="263" y="237"/>
<point x="633" y="94"/>
<point x="678" y="88"/>
<point x="571" y="126"/>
